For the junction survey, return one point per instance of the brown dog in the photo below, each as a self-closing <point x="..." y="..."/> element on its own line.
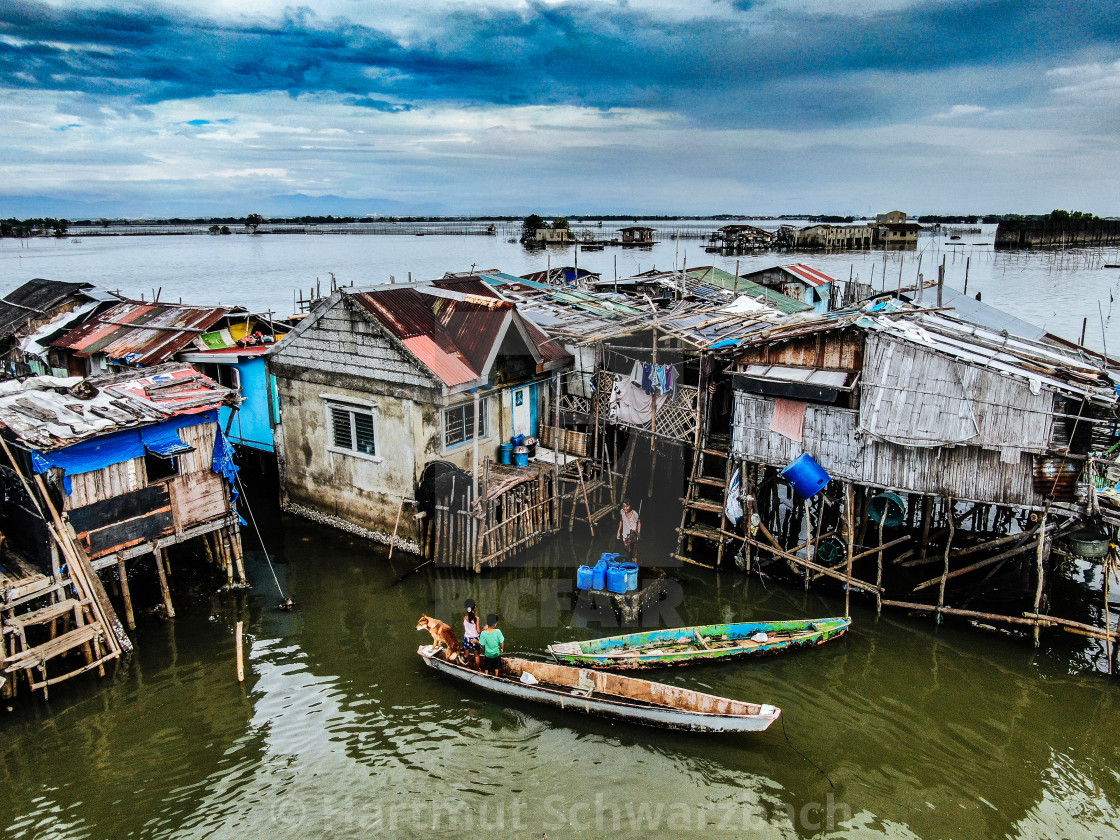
<point x="442" y="635"/>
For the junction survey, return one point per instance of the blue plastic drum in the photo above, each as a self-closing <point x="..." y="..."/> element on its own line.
<point x="585" y="577"/>
<point x="505" y="453"/>
<point x="521" y="456"/>
<point x="616" y="579"/>
<point x="630" y="570"/>
<point x="807" y="476"/>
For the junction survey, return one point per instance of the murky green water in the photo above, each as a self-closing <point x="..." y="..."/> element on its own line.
<point x="339" y="729"/>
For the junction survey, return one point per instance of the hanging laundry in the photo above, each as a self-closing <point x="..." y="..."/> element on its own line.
<point x="636" y="374"/>
<point x="647" y="382"/>
<point x="630" y="404"/>
<point x="789" y="418"/>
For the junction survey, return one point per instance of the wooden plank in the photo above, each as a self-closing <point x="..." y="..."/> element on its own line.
<point x="126" y="534"/>
<point x="105" y="512"/>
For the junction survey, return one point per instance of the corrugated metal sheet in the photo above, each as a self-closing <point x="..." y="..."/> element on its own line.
<point x="36" y="298"/>
<point x="47" y="413"/>
<point x="452" y="368"/>
<point x="813" y="276"/>
<point x="142" y="334"/>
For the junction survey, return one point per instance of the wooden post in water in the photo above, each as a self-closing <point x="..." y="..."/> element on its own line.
<point x="945" y="574"/>
<point x="849" y="528"/>
<point x="240" y="654"/>
<point x="126" y="595"/>
<point x="1039" y="554"/>
<point x="164" y="589"/>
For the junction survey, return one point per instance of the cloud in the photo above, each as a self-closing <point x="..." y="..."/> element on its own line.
<point x="606" y="100"/>
<point x="961" y="111"/>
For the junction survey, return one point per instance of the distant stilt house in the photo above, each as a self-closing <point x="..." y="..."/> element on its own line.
<point x="379" y="384"/>
<point x="105" y="473"/>
<point x="637" y="235"/>
<point x="737" y="239"/>
<point x="37" y="312"/>
<point x="894" y="231"/>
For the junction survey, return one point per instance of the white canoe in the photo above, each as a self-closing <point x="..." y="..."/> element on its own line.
<point x="604" y="694"/>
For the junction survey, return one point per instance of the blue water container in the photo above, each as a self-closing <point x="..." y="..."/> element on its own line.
<point x="630" y="570"/>
<point x="521" y="456"/>
<point x="616" y="579"/>
<point x="517" y="440"/>
<point x="505" y="453"/>
<point x="599" y="579"/>
<point x="610" y="557"/>
<point x="584" y="577"/>
<point x="806" y="475"/>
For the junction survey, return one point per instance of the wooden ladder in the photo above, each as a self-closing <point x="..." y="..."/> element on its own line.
<point x="695" y="505"/>
<point x="80" y="629"/>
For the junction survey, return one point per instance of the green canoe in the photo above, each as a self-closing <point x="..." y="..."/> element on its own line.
<point x="690" y="645"/>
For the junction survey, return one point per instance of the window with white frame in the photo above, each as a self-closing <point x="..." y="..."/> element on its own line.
<point x="458" y="423"/>
<point x="351" y="429"/>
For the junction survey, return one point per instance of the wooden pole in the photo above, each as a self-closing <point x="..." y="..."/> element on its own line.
<point x="879" y="573"/>
<point x="396" y="525"/>
<point x="1038" y="563"/>
<point x="240" y="653"/>
<point x="849" y="504"/>
<point x="163" y="587"/>
<point x="126" y="595"/>
<point x="948" y="548"/>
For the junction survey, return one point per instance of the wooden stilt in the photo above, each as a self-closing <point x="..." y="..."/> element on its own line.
<point x="240" y="653"/>
<point x="879" y="571"/>
<point x="849" y="539"/>
<point x="927" y="514"/>
<point x="164" y="589"/>
<point x="945" y="574"/>
<point x="1039" y="556"/>
<point x="126" y="595"/>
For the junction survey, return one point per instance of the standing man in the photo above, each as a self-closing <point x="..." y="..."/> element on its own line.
<point x="493" y="644"/>
<point x="629" y="530"/>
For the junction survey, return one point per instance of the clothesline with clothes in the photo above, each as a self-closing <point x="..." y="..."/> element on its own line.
<point x="655" y="379"/>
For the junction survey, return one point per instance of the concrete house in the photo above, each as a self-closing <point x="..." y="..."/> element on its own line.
<point x="377" y="383"/>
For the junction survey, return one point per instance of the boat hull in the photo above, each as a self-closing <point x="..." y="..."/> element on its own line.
<point x="637" y="651"/>
<point x="742" y="717"/>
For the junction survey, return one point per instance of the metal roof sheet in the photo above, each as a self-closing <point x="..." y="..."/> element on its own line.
<point x="48" y="412"/>
<point x="813" y="276"/>
<point x="142" y="334"/>
<point x="36" y="298"/>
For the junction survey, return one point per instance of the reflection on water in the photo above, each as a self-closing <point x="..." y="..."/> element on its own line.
<point x="340" y="728"/>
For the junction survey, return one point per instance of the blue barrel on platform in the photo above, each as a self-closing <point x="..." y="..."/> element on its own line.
<point x="616" y="579"/>
<point x="505" y="453"/>
<point x="806" y="475"/>
<point x="521" y="456"/>
<point x="630" y="570"/>
<point x="585" y="577"/>
<point x="599" y="580"/>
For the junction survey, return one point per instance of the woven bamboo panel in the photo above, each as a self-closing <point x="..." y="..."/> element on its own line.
<point x="574" y="443"/>
<point x="676" y="418"/>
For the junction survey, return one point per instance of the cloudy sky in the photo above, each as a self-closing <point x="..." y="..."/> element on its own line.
<point x="485" y="106"/>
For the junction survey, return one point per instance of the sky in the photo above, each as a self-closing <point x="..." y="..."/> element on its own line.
<point x="753" y="107"/>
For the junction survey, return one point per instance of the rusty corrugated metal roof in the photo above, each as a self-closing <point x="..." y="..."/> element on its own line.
<point x="454" y="326"/>
<point x="812" y="276"/>
<point x="142" y="334"/>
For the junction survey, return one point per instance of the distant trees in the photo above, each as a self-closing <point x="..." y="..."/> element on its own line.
<point x="1068" y="216"/>
<point x="533" y="222"/>
<point x="254" y="221"/>
<point x="214" y="229"/>
<point x="559" y="224"/>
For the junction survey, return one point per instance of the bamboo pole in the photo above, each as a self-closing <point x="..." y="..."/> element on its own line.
<point x="870" y="587"/>
<point x="879" y="565"/>
<point x="396" y="525"/>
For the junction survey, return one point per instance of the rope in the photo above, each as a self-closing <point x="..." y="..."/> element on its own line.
<point x="253" y="519"/>
<point x="796" y="750"/>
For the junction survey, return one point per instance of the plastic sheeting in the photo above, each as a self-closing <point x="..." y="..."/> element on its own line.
<point x="163" y="440"/>
<point x="106" y="450"/>
<point x="224" y="466"/>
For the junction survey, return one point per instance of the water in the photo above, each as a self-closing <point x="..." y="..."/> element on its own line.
<point x="899" y="730"/>
<point x="1056" y="291"/>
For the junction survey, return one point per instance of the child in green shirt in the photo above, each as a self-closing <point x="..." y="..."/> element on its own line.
<point x="493" y="644"/>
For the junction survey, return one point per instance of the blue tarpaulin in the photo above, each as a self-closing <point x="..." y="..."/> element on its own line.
<point x="163" y="440"/>
<point x="116" y="447"/>
<point x="224" y="466"/>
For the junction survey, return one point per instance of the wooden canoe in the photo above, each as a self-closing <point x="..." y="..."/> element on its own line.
<point x="692" y="645"/>
<point x="612" y="695"/>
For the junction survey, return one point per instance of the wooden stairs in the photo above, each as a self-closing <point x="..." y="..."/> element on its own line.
<point x="35" y="635"/>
